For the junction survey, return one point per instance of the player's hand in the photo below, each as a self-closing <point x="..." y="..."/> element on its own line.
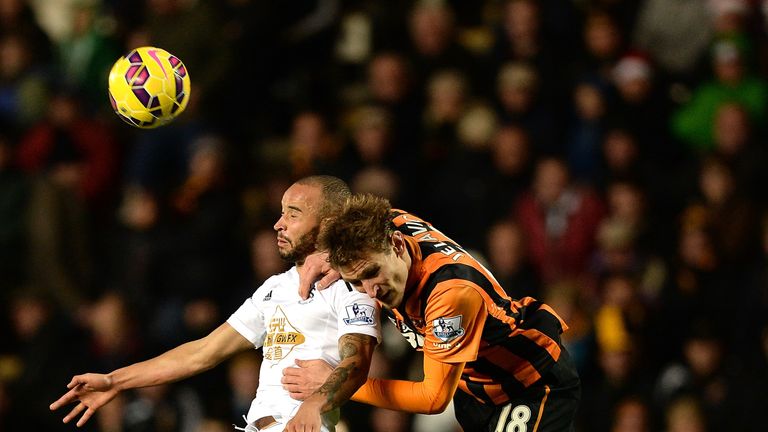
<point x="306" y="378"/>
<point x="316" y="269"/>
<point x="307" y="418"/>
<point x="91" y="390"/>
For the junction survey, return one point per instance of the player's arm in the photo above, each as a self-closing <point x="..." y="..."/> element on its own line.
<point x="94" y="390"/>
<point x="430" y="396"/>
<point x="356" y="351"/>
<point x="444" y="359"/>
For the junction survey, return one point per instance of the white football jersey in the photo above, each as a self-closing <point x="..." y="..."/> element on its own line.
<point x="289" y="328"/>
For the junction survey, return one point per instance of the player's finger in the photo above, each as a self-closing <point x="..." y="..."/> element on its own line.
<point x="74" y="382"/>
<point x="74" y="413"/>
<point x="88" y="413"/>
<point x="326" y="281"/>
<point x="290" y="374"/>
<point x="298" y="395"/>
<point x="306" y="281"/>
<point x="65" y="399"/>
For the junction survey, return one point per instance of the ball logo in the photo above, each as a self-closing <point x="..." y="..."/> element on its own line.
<point x="447" y="328"/>
<point x="359" y="314"/>
<point x="153" y="53"/>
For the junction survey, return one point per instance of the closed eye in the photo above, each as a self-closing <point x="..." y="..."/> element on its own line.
<point x="370" y="272"/>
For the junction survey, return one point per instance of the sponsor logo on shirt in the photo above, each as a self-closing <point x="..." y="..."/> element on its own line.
<point x="282" y="337"/>
<point x="359" y="314"/>
<point x="447" y="328"/>
<point x="415" y="339"/>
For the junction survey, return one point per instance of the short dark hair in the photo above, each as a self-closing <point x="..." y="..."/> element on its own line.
<point x="362" y="226"/>
<point x="334" y="190"/>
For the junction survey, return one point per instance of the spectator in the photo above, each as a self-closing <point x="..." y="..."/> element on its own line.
<point x="520" y="101"/>
<point x="390" y="84"/>
<point x="23" y="84"/>
<point x="703" y="372"/>
<point x="736" y="142"/>
<point x="685" y="414"/>
<point x="586" y="129"/>
<point x="433" y="45"/>
<point x="96" y="50"/>
<point x="603" y="45"/>
<point x="560" y="219"/>
<point x="506" y="251"/>
<point x="511" y="166"/>
<point x="371" y="143"/>
<point x="731" y="218"/>
<point x="733" y="81"/>
<point x="632" y="414"/>
<point x="524" y="36"/>
<point x="313" y="146"/>
<point x="642" y="108"/>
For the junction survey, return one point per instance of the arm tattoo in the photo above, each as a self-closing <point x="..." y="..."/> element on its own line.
<point x="351" y="346"/>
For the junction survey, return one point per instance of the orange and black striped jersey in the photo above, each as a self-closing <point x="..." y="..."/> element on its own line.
<point x="455" y="311"/>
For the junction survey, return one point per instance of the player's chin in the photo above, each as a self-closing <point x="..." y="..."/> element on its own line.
<point x="388" y="299"/>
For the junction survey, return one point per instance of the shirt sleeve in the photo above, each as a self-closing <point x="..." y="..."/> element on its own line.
<point x="248" y="319"/>
<point x="429" y="396"/>
<point x="455" y="317"/>
<point x="356" y="312"/>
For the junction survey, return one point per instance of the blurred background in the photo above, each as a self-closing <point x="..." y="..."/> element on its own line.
<point x="606" y="156"/>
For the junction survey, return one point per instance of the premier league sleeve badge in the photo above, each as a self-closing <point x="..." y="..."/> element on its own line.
<point x="447" y="328"/>
<point x="359" y="314"/>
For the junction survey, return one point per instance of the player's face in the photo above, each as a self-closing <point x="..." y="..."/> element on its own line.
<point x="381" y="275"/>
<point x="298" y="224"/>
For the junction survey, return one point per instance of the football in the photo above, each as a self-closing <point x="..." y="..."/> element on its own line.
<point x="149" y="87"/>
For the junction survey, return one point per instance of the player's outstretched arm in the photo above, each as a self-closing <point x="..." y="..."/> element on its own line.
<point x="356" y="351"/>
<point x="316" y="269"/>
<point x="430" y="396"/>
<point x="92" y="391"/>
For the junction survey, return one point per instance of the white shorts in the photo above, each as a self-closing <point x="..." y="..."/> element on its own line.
<point x="279" y="425"/>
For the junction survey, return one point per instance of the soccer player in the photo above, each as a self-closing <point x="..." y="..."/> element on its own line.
<point x="339" y="325"/>
<point x="501" y="360"/>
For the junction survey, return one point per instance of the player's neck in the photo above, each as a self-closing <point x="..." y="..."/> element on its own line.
<point x="414" y="273"/>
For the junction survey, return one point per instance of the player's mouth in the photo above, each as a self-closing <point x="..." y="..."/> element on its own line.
<point x="282" y="241"/>
<point x="384" y="295"/>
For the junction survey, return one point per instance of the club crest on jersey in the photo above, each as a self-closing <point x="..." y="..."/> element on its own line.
<point x="359" y="314"/>
<point x="447" y="328"/>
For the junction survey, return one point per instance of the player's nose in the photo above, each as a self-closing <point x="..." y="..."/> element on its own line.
<point x="279" y="225"/>
<point x="370" y="289"/>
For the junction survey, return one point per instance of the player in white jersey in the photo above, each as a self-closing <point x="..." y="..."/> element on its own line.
<point x="289" y="328"/>
<point x="339" y="325"/>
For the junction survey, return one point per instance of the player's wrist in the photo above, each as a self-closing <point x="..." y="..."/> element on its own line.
<point x="111" y="382"/>
<point x="318" y="402"/>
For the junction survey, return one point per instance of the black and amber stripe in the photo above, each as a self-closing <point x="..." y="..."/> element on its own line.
<point x="520" y="338"/>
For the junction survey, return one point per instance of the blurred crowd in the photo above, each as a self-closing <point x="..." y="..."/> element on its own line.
<point x="606" y="156"/>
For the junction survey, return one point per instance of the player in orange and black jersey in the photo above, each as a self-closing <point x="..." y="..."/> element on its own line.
<point x="504" y="356"/>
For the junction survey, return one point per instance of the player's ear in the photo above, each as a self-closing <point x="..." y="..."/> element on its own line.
<point x="398" y="242"/>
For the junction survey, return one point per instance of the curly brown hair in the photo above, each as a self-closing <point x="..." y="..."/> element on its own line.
<point x="362" y="227"/>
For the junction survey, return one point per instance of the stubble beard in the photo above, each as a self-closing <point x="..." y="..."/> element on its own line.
<point x="304" y="246"/>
